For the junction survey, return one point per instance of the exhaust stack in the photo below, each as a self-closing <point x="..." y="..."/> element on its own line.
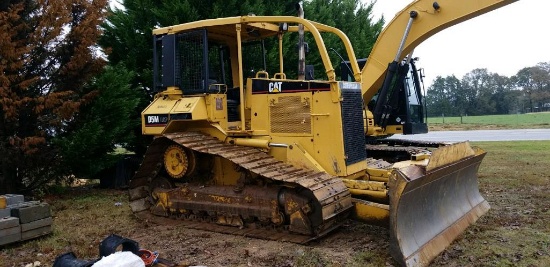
<point x="301" y="48"/>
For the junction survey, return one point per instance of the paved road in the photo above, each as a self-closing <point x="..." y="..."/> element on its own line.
<point x="481" y="135"/>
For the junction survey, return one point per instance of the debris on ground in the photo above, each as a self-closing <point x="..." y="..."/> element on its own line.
<point x="117" y="251"/>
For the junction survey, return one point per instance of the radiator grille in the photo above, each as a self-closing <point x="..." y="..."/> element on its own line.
<point x="290" y="115"/>
<point x="352" y="124"/>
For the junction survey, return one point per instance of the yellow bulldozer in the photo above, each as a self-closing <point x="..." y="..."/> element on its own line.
<point x="240" y="150"/>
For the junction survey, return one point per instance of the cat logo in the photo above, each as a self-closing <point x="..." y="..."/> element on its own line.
<point x="275" y="87"/>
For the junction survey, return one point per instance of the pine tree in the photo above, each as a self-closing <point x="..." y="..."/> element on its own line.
<point x="48" y="54"/>
<point x="102" y="125"/>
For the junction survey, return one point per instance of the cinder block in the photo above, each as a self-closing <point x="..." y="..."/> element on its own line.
<point x="137" y="193"/>
<point x="10" y="238"/>
<point x="139" y="205"/>
<point x="8" y="222"/>
<point x="9" y="231"/>
<point x="36" y="224"/>
<point x="28" y="214"/>
<point x="36" y="232"/>
<point x="24" y="204"/>
<point x="5" y="213"/>
<point x="12" y="199"/>
<point x="10" y="235"/>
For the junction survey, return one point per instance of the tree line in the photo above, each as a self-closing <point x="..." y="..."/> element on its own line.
<point x="75" y="75"/>
<point x="481" y="92"/>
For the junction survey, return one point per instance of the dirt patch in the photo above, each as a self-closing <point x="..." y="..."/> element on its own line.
<point x="85" y="216"/>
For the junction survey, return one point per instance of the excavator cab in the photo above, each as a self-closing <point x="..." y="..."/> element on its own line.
<point x="400" y="101"/>
<point x="403" y="107"/>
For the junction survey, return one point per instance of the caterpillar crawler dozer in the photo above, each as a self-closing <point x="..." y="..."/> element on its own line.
<point x="240" y="150"/>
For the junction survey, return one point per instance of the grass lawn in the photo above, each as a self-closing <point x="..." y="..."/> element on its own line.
<point x="514" y="179"/>
<point x="511" y="121"/>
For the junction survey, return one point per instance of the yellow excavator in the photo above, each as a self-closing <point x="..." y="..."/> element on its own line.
<point x="244" y="150"/>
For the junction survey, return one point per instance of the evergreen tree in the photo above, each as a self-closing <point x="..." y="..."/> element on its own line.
<point x="48" y="54"/>
<point x="437" y="101"/>
<point x="128" y="34"/>
<point x="102" y="125"/>
<point x="350" y="16"/>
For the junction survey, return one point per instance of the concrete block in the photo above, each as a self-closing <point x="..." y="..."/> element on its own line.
<point x="139" y="205"/>
<point x="5" y="212"/>
<point x="10" y="231"/>
<point x="12" y="199"/>
<point x="8" y="222"/>
<point x="36" y="224"/>
<point x="7" y="239"/>
<point x="28" y="214"/>
<point x="138" y="192"/>
<point x="36" y="232"/>
<point x="24" y="204"/>
<point x="10" y="235"/>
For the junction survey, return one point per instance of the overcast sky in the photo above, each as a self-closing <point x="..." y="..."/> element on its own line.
<point x="504" y="40"/>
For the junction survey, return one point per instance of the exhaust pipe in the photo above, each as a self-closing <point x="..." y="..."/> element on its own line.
<point x="301" y="48"/>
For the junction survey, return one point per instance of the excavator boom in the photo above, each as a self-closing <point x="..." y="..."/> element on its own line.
<point x="431" y="18"/>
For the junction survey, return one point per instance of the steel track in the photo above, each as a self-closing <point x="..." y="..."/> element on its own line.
<point x="332" y="195"/>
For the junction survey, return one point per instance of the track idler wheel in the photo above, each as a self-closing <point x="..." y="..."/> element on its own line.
<point x="179" y="162"/>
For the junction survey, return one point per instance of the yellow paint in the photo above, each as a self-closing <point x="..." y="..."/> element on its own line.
<point x="448" y="154"/>
<point x="379" y="196"/>
<point x="217" y="109"/>
<point x="301" y="158"/>
<point x="225" y="172"/>
<point x="370" y="212"/>
<point x="221" y="199"/>
<point x="365" y="185"/>
<point x="175" y="161"/>
<point x="162" y="200"/>
<point x="291" y="205"/>
<point x="259" y="143"/>
<point x="196" y="106"/>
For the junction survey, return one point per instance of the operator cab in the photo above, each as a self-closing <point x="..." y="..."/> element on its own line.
<point x="215" y="58"/>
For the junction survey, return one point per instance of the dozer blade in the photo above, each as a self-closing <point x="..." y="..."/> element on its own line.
<point x="431" y="205"/>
